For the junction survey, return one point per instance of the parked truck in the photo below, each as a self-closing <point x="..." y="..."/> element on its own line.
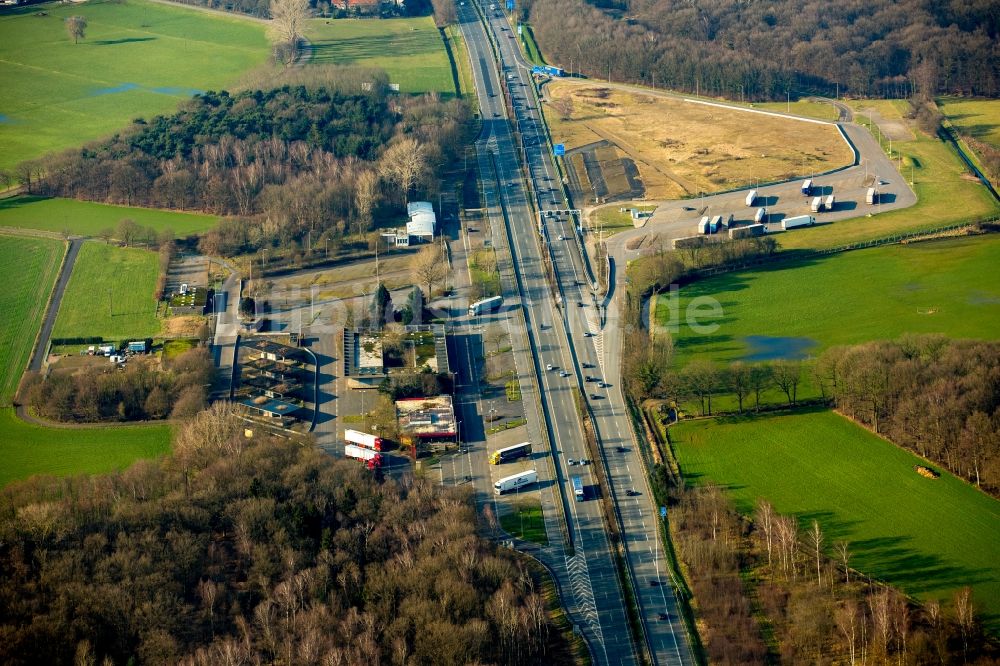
<point x="830" y="202"/>
<point x="515" y="482"/>
<point x="715" y="225"/>
<point x="548" y="70"/>
<point x="688" y="242"/>
<point x="807" y="186"/>
<point x="371" y="458"/>
<point x="578" y="490"/>
<point x="363" y="439"/>
<point x="485" y="305"/>
<point x="749" y="231"/>
<point x="728" y="221"/>
<point x="509" y="453"/>
<point x="704" y="225"/>
<point x="760" y="215"/>
<point x="817" y="204"/>
<point x="798" y="221"/>
<point x="751" y="197"/>
<point x="872" y="196"/>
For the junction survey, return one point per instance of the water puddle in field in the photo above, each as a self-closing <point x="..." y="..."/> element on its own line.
<point x="120" y="88"/>
<point x="983" y="298"/>
<point x="5" y="119"/>
<point x="772" y="348"/>
<point x="177" y="90"/>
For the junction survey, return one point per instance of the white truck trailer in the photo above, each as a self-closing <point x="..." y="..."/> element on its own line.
<point x="830" y="202"/>
<point x="872" y="196"/>
<point x="371" y="458"/>
<point x="751" y="197"/>
<point x="363" y="439"/>
<point x="515" y="482"/>
<point x="817" y="204"/>
<point x="749" y="231"/>
<point x="760" y="215"/>
<point x="798" y="221"/>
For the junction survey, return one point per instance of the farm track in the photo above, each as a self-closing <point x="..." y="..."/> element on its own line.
<point x="42" y="342"/>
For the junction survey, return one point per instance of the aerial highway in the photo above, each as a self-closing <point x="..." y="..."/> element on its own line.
<point x="567" y="343"/>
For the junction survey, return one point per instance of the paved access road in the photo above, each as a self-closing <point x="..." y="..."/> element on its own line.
<point x="569" y="336"/>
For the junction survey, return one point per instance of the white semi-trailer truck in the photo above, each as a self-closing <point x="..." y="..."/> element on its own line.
<point x="798" y="221"/>
<point x="515" y="482"/>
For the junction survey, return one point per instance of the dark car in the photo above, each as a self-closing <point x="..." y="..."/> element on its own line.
<point x="654" y="583"/>
<point x="631" y="492"/>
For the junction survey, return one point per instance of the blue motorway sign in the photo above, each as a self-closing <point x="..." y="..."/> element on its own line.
<point x="663" y="512"/>
<point x="559" y="149"/>
<point x="510" y="5"/>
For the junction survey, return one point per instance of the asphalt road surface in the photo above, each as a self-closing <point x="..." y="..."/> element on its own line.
<point x="565" y="331"/>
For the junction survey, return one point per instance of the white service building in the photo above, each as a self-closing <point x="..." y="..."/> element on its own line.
<point x="422" y="220"/>
<point x="419" y="228"/>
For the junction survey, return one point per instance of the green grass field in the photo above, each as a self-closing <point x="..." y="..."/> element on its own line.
<point x="806" y="108"/>
<point x="29" y="449"/>
<point x="881" y="293"/>
<point x="530" y="47"/>
<point x="939" y="180"/>
<point x="526" y="522"/>
<point x="461" y="57"/>
<point x="86" y="218"/>
<point x="138" y="59"/>
<point x="410" y="50"/>
<point x="28" y="269"/>
<point x="929" y="537"/>
<point x="977" y="117"/>
<point x="130" y="274"/>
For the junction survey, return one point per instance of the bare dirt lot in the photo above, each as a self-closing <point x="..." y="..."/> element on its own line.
<point x="683" y="148"/>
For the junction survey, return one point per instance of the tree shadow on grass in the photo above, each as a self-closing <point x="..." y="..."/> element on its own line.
<point x="123" y="40"/>
<point x="892" y="559"/>
<point x="374" y="46"/>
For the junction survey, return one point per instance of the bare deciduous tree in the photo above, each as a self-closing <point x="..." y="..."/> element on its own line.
<point x="844" y="553"/>
<point x="403" y="163"/>
<point x="430" y="267"/>
<point x="787" y="375"/>
<point x="76" y="28"/>
<point x="288" y="19"/>
<point x="847" y="620"/>
<point x="815" y="536"/>
<point x="965" y="614"/>
<point x="765" y="516"/>
<point x="496" y="336"/>
<point x="365" y="198"/>
<point x="739" y="381"/>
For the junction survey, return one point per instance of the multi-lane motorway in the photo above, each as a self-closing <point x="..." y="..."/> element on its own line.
<point x="563" y="342"/>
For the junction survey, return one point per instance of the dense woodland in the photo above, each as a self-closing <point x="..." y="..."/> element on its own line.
<point x="763" y="50"/>
<point x="937" y="397"/>
<point x="138" y="391"/>
<point x="767" y="593"/>
<point x="235" y="550"/>
<point x="293" y="163"/>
